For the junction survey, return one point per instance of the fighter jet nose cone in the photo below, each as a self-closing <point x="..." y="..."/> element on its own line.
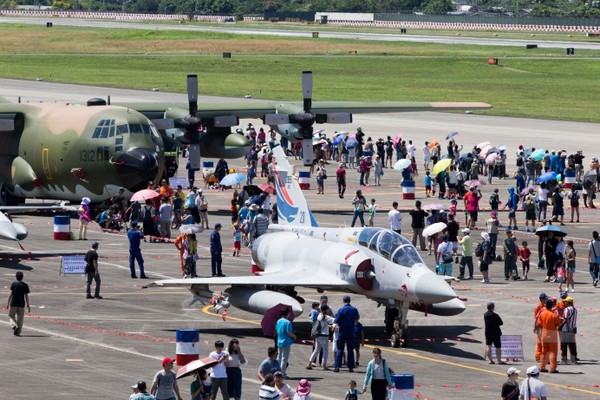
<point x="7" y="230"/>
<point x="137" y="167"/>
<point x="430" y="288"/>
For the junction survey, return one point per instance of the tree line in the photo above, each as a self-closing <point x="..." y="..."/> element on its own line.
<point x="538" y="8"/>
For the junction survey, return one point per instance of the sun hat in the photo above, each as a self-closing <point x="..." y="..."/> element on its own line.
<point x="303" y="388"/>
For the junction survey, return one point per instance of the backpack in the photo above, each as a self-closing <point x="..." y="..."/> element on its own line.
<point x="479" y="250"/>
<point x="447" y="255"/>
<point x="529" y="202"/>
<point x="494" y="199"/>
<point x="316" y="329"/>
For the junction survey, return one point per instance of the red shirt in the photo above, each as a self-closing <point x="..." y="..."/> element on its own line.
<point x="524" y="253"/>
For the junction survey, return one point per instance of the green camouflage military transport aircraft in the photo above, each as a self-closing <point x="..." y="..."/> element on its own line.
<point x="70" y="151"/>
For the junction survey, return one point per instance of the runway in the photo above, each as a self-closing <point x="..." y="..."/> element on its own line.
<point x="73" y="347"/>
<point x="307" y="33"/>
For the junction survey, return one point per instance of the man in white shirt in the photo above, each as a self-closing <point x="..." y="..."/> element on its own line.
<point x="395" y="218"/>
<point x="532" y="387"/>
<point x="218" y="376"/>
<point x="426" y="156"/>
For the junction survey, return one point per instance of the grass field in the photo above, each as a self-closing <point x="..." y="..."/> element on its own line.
<point x="542" y="83"/>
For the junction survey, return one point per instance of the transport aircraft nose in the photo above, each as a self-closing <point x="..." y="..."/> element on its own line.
<point x="430" y="288"/>
<point x="137" y="167"/>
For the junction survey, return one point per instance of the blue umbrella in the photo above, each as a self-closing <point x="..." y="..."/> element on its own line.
<point x="339" y="138"/>
<point x="538" y="154"/>
<point x="451" y="135"/>
<point x="550" y="228"/>
<point x="233" y="179"/>
<point x="351" y="143"/>
<point x="548" y="176"/>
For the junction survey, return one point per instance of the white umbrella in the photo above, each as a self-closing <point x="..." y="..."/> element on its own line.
<point x="434" y="228"/>
<point x="402" y="164"/>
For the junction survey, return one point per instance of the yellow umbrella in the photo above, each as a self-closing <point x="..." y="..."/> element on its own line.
<point x="441" y="165"/>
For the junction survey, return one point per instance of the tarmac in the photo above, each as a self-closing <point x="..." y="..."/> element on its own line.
<point x="72" y="347"/>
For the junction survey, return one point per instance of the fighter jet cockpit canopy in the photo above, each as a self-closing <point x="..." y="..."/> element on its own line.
<point x="390" y="245"/>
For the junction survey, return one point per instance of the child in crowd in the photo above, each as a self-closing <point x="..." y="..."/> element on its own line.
<point x="524" y="255"/>
<point x="314" y="312"/>
<point x="358" y="335"/>
<point x="372" y="211"/>
<point x="237" y="239"/>
<point x="352" y="393"/>
<point x="452" y="209"/>
<point x="428" y="184"/>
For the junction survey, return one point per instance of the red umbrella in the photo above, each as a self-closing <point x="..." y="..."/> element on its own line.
<point x="144" y="194"/>
<point x="267" y="188"/>
<point x="191" y="367"/>
<point x="271" y="316"/>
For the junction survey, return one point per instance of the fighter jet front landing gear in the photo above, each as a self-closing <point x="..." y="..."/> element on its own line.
<point x="397" y="325"/>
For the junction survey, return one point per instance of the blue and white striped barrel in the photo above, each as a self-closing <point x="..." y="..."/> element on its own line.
<point x="569" y="178"/>
<point x="408" y="189"/>
<point x="187" y="347"/>
<point x="404" y="387"/>
<point x="62" y="227"/>
<point x="206" y="165"/>
<point x="304" y="180"/>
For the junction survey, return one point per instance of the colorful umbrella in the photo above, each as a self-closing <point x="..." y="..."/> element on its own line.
<point x="267" y="188"/>
<point x="490" y="159"/>
<point x="538" y="154"/>
<point x="544" y="230"/>
<point x="474" y="183"/>
<point x="402" y="164"/>
<point x="526" y="190"/>
<point x="441" y="166"/>
<point x="233" y="179"/>
<point x="339" y="138"/>
<point x="351" y="143"/>
<point x="451" y="135"/>
<point x="434" y="206"/>
<point x="144" y="194"/>
<point x="191" y="367"/>
<point x="548" y="176"/>
<point x="433" y="143"/>
<point x="483" y="144"/>
<point x="396" y="140"/>
<point x="434" y="228"/>
<point x="190" y="228"/>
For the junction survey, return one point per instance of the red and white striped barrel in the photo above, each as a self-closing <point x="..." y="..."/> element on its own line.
<point x="62" y="227"/>
<point x="569" y="178"/>
<point x="187" y="347"/>
<point x="408" y="190"/>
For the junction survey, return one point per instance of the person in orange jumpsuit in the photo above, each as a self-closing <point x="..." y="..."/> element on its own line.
<point x="549" y="321"/>
<point x="179" y="244"/>
<point x="536" y="328"/>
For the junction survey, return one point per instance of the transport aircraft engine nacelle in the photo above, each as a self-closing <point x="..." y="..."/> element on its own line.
<point x="259" y="301"/>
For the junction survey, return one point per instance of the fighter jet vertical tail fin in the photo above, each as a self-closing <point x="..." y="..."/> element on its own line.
<point x="292" y="208"/>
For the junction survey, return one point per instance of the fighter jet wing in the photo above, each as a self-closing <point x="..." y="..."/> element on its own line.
<point x="280" y="278"/>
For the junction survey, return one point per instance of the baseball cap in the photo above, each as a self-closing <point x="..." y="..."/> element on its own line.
<point x="512" y="370"/>
<point x="141" y="385"/>
<point x="217" y="225"/>
<point x="569" y="299"/>
<point x="533" y="370"/>
<point x="95" y="244"/>
<point x="543" y="296"/>
<point x="346" y="299"/>
<point x="278" y="373"/>
<point x="466" y="230"/>
<point x="134" y="223"/>
<point x="167" y="360"/>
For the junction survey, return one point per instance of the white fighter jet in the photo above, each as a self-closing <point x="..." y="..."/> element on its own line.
<point x="375" y="262"/>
